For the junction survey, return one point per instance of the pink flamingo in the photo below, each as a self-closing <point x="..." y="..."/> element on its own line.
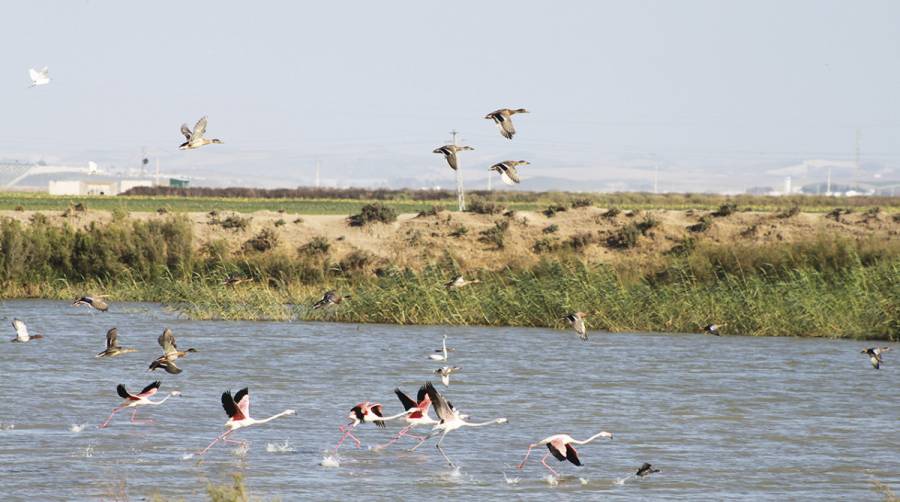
<point x="560" y="446"/>
<point x="238" y="410"/>
<point x="136" y="400"/>
<point x="365" y="412"/>
<point x="418" y="414"/>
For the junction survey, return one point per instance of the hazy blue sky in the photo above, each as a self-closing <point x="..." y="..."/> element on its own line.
<point x="709" y="90"/>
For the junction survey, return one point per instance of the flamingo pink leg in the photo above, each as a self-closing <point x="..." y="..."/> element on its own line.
<point x="544" y="461"/>
<point x="403" y="432"/>
<point x="115" y="410"/>
<point x="348" y="431"/>
<point x="135" y="421"/>
<point x="232" y="441"/>
<point x="222" y="436"/>
<point x="522" y="464"/>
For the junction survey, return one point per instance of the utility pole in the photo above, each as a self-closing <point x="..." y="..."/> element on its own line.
<point x="157" y="171"/>
<point x="858" y="166"/>
<point x="317" y="174"/>
<point x="460" y="193"/>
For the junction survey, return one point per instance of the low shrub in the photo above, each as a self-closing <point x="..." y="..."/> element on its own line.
<point x="581" y="203"/>
<point x="459" y="231"/>
<point x="478" y="205"/>
<point x="317" y="246"/>
<point x="495" y="235"/>
<point x="551" y="229"/>
<point x="625" y="238"/>
<point x="726" y="209"/>
<point x="265" y="240"/>
<point x="552" y="209"/>
<point x="373" y="213"/>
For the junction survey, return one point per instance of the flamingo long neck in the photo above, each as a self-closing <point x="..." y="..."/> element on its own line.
<point x="588" y="440"/>
<point x="161" y="401"/>
<point x="398" y="415"/>
<point x="480" y="424"/>
<point x="273" y="417"/>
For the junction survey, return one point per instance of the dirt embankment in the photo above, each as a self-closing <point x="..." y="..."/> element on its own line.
<point x="593" y="232"/>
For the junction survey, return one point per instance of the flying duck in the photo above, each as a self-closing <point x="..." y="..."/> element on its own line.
<point x="713" y="329"/>
<point x="112" y="345"/>
<point x="874" y="354"/>
<point x="576" y="319"/>
<point x="449" y="152"/>
<point x="645" y="470"/>
<point x="170" y="353"/>
<point x="508" y="172"/>
<point x="22" y="332"/>
<point x="503" y="119"/>
<point x="195" y="138"/>
<point x="95" y="302"/>
<point x="330" y="298"/>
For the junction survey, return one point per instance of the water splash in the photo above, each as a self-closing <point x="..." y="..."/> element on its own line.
<point x="509" y="480"/>
<point x="76" y="428"/>
<point x="330" y="461"/>
<point x="584" y="481"/>
<point x="88" y="452"/>
<point x="241" y="450"/>
<point x="279" y="448"/>
<point x="187" y="456"/>
<point x="7" y="427"/>
<point x="551" y="480"/>
<point x="453" y="474"/>
<point x="621" y="481"/>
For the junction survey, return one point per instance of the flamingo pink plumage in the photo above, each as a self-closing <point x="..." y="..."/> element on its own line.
<point x="237" y="408"/>
<point x="365" y="412"/>
<point x="560" y="446"/>
<point x="136" y="400"/>
<point x="417" y="414"/>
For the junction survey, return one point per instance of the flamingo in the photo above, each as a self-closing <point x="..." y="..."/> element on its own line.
<point x="135" y="400"/>
<point x="560" y="446"/>
<point x="95" y="302"/>
<point x="366" y="412"/>
<point x="443" y="351"/>
<point x="39" y="77"/>
<point x="503" y="119"/>
<point x="874" y="354"/>
<point x="576" y="319"/>
<point x="238" y="410"/>
<point x="645" y="470"/>
<point x="418" y="414"/>
<point x="460" y="282"/>
<point x="450" y="420"/>
<point x="330" y="298"/>
<point x="445" y="373"/>
<point x="194" y="139"/>
<point x="22" y="335"/>
<point x="112" y="345"/>
<point x="170" y="353"/>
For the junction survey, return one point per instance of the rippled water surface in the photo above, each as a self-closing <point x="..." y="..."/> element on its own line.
<point x="723" y="418"/>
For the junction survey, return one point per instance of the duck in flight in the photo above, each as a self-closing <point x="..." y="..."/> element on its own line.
<point x="503" y="119"/>
<point x="94" y="302"/>
<point x="170" y="353"/>
<point x="445" y="373"/>
<point x="874" y="354"/>
<point x="508" y="172"/>
<point x="39" y="77"/>
<point x="195" y="139"/>
<point x="449" y="152"/>
<point x="330" y="298"/>
<point x="112" y="345"/>
<point x="576" y="319"/>
<point x="22" y="335"/>
<point x="560" y="446"/>
<point x="713" y="329"/>
<point x="460" y="282"/>
<point x="645" y="470"/>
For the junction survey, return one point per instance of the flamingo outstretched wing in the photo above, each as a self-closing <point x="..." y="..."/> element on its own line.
<point x="242" y="398"/>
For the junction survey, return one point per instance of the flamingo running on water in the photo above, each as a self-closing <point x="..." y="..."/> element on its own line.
<point x="170" y="353"/>
<point x="238" y="410"/>
<point x="560" y="446"/>
<point x="112" y="345"/>
<point x="362" y="413"/>
<point x="418" y="414"/>
<point x="450" y="420"/>
<point x="22" y="335"/>
<point x="95" y="302"/>
<point x="136" y="400"/>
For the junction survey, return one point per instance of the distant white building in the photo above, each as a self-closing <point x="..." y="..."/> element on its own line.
<point x="95" y="186"/>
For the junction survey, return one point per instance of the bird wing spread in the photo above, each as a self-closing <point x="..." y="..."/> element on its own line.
<point x="557" y="448"/>
<point x="509" y="176"/>
<point x="242" y="398"/>
<point x="231" y="408"/>
<point x="572" y="455"/>
<point x="199" y="129"/>
<point x="150" y="389"/>
<point x="186" y="131"/>
<point x="441" y="406"/>
<point x="408" y="403"/>
<point x="112" y="337"/>
<point x="21" y="330"/>
<point x="123" y="392"/>
<point x="167" y="342"/>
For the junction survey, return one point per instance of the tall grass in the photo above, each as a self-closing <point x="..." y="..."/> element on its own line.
<point x="823" y="286"/>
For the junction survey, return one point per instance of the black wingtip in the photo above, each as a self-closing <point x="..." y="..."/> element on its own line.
<point x="123" y="393"/>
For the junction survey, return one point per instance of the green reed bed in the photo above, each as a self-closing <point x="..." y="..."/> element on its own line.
<point x="823" y="286"/>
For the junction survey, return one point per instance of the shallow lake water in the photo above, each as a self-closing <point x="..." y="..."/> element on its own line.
<point x="722" y="417"/>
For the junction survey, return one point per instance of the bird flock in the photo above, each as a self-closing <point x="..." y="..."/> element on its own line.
<point x="416" y="412"/>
